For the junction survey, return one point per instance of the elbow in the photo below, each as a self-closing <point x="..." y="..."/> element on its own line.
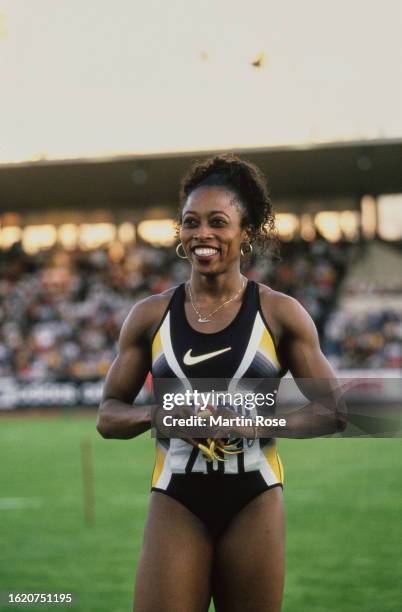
<point x="103" y="431"/>
<point x="340" y="422"/>
<point x="102" y="425"/>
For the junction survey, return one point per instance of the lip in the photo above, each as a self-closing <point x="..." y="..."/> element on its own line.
<point x="204" y="246"/>
<point x="205" y="257"/>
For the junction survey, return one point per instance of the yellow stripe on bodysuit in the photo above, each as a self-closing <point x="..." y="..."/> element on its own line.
<point x="156" y="346"/>
<point x="159" y="463"/>
<point x="272" y="457"/>
<point x="267" y="347"/>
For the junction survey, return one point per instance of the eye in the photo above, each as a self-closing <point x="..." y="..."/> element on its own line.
<point x="190" y="222"/>
<point x="218" y="222"/>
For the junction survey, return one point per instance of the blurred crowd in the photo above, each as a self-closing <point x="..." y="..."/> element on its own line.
<point x="311" y="272"/>
<point x="61" y="311"/>
<point x="364" y="340"/>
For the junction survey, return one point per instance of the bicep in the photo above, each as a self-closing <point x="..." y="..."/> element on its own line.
<point x="127" y="374"/>
<point x="304" y="358"/>
<point x="128" y="371"/>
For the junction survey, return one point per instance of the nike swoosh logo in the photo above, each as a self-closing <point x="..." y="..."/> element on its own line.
<point x="189" y="360"/>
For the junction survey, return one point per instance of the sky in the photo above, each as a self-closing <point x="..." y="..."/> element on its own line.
<point x="100" y="77"/>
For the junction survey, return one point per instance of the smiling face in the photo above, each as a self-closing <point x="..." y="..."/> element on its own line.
<point x="211" y="230"/>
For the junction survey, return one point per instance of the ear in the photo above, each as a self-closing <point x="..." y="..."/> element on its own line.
<point x="247" y="234"/>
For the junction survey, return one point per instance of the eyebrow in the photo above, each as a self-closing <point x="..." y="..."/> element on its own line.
<point x="213" y="212"/>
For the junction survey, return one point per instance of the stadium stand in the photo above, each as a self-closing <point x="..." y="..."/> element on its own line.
<point x="365" y="330"/>
<point x="62" y="311"/>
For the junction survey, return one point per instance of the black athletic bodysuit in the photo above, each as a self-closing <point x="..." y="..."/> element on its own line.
<point x="215" y="491"/>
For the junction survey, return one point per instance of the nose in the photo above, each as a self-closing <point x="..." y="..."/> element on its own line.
<point x="203" y="232"/>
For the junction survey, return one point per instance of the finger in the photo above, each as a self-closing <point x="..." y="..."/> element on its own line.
<point x="206" y="451"/>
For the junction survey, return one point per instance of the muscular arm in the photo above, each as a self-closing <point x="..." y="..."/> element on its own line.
<point x="117" y="417"/>
<point x="299" y="350"/>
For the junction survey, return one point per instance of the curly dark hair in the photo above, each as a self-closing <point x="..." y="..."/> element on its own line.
<point x="249" y="186"/>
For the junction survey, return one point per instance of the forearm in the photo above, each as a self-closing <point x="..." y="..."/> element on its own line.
<point x="309" y="421"/>
<point x="119" y="420"/>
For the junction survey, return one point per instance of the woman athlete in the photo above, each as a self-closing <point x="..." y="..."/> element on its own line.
<point x="215" y="528"/>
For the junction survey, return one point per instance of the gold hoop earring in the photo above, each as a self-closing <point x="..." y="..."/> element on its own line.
<point x="248" y="252"/>
<point x="177" y="251"/>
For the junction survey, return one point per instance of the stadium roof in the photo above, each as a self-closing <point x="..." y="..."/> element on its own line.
<point x="136" y="181"/>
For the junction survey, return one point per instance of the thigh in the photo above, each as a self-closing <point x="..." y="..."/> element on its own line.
<point x="249" y="568"/>
<point x="174" y="571"/>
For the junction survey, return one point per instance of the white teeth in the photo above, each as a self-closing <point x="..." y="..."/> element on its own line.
<point x="205" y="251"/>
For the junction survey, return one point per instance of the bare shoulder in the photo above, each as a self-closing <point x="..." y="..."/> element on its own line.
<point x="145" y="316"/>
<point x="289" y="317"/>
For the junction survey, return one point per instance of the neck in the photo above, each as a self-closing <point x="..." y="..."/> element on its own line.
<point x="222" y="285"/>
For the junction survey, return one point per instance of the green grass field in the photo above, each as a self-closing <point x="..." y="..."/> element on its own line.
<point x="343" y="501"/>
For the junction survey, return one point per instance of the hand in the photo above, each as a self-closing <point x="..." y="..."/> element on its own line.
<point x="217" y="447"/>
